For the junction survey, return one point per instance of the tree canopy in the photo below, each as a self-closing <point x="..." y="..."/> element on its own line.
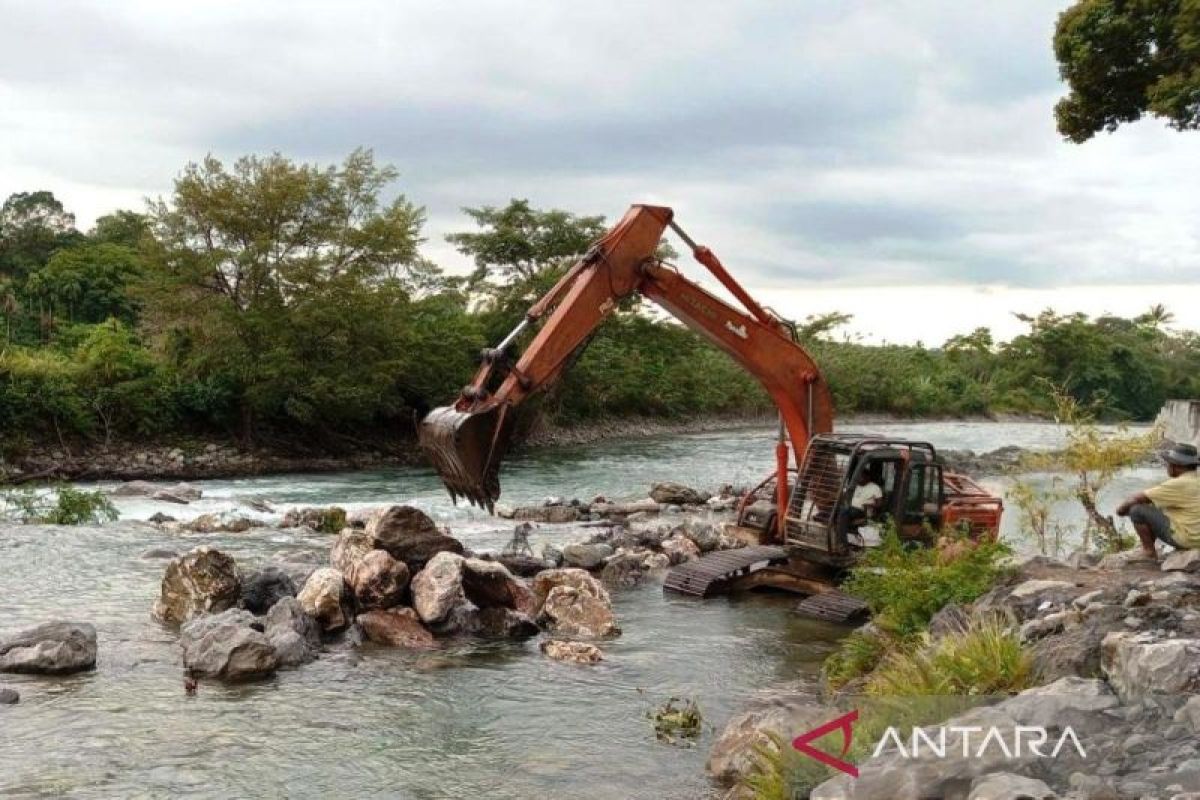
<point x="1123" y="59"/>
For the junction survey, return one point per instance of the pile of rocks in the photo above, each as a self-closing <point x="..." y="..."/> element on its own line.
<point x="665" y="497"/>
<point x="1116" y="646"/>
<point x="398" y="581"/>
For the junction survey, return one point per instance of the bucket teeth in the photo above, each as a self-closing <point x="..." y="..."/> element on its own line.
<point x="466" y="448"/>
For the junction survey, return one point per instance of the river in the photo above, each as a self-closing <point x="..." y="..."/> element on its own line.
<point x="495" y="720"/>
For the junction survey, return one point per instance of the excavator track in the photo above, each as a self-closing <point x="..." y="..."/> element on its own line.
<point x="833" y="606"/>
<point x="712" y="573"/>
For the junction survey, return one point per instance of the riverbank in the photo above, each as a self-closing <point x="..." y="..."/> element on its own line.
<point x="200" y="457"/>
<point x="1108" y="651"/>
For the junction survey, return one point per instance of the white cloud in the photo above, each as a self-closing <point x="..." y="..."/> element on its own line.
<point x="825" y="150"/>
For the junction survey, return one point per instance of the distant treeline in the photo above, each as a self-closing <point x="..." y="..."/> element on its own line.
<point x="287" y="303"/>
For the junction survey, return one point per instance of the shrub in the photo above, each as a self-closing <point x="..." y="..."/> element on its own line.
<point x="66" y="506"/>
<point x="904" y="586"/>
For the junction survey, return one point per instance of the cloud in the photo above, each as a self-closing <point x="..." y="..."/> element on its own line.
<point x="856" y="144"/>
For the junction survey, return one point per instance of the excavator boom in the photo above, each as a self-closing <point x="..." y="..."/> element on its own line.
<point x="467" y="440"/>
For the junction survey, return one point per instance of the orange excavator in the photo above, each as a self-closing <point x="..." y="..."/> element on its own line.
<point x="803" y="510"/>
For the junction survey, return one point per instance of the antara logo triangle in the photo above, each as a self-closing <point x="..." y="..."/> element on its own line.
<point x="845" y="724"/>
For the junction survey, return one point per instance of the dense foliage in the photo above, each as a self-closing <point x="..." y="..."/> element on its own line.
<point x="290" y="303"/>
<point x="1126" y="58"/>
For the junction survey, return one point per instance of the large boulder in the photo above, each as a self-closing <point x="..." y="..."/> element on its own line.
<point x="1140" y="664"/>
<point x="351" y="545"/>
<point x="53" y="648"/>
<point x="580" y="579"/>
<point x="630" y="567"/>
<point x="586" y="555"/>
<point x="676" y="494"/>
<point x="227" y="646"/>
<point x="295" y="635"/>
<point x="395" y="627"/>
<point x="438" y="588"/>
<point x="489" y="584"/>
<point x="736" y="751"/>
<point x="409" y="535"/>
<point x="326" y="598"/>
<point x="202" y="581"/>
<point x="569" y="611"/>
<point x="264" y="588"/>
<point x="9" y="696"/>
<point x="377" y="580"/>
<point x="181" y="493"/>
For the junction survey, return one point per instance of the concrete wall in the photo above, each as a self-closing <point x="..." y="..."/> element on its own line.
<point x="1181" y="421"/>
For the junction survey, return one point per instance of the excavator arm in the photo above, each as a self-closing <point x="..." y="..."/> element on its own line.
<point x="466" y="441"/>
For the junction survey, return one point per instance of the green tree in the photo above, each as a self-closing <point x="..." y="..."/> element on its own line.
<point x="32" y="226"/>
<point x="121" y="227"/>
<point x="89" y="282"/>
<point x="518" y="243"/>
<point x="291" y="283"/>
<point x="1125" y="58"/>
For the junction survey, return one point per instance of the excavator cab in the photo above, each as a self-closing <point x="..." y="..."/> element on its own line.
<point x="916" y="494"/>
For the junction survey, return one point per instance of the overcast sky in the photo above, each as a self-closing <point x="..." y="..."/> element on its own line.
<point x="895" y="160"/>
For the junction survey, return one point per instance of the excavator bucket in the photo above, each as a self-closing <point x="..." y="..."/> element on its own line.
<point x="466" y="449"/>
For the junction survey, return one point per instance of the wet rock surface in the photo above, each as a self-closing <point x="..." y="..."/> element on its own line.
<point x="202" y="581"/>
<point x="409" y="535"/>
<point x="377" y="581"/>
<point x="229" y="646"/>
<point x="265" y="587"/>
<point x="53" y="648"/>
<point x="327" y="599"/>
<point x="572" y="652"/>
<point x="396" y="627"/>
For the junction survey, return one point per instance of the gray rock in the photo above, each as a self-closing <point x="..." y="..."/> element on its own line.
<point x="1189" y="713"/>
<point x="503" y="623"/>
<point x="1183" y="561"/>
<point x="552" y="515"/>
<point x="438" y="588"/>
<point x="1127" y="559"/>
<point x="673" y="493"/>
<point x="704" y="535"/>
<point x="159" y="518"/>
<point x="289" y="616"/>
<point x="265" y="587"/>
<point x="1138" y="665"/>
<point x="569" y="611"/>
<point x="680" y="549"/>
<point x="9" y="696"/>
<point x="134" y="489"/>
<point x="326" y="598"/>
<point x="350" y="545"/>
<point x="227" y="647"/>
<point x="552" y="555"/>
<point x="52" y="648"/>
<point x="572" y="652"/>
<point x="409" y="535"/>
<point x="159" y="552"/>
<point x="735" y="752"/>
<point x="489" y="584"/>
<point x="202" y="581"/>
<point x="378" y="580"/>
<point x="395" y="627"/>
<point x="291" y="649"/>
<point x="1007" y="786"/>
<point x="586" y="556"/>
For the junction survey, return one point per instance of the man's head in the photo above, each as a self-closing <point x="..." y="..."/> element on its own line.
<point x="1181" y="458"/>
<point x="864" y="478"/>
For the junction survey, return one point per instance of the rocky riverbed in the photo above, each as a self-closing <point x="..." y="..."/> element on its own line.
<point x="1116" y="648"/>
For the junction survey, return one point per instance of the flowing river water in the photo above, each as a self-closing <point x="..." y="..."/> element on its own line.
<point x="473" y="719"/>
